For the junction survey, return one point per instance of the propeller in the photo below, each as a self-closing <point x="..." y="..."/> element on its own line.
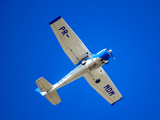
<point x="110" y="52"/>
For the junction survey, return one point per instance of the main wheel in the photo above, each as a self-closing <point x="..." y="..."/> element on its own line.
<point x="106" y="62"/>
<point x="83" y="62"/>
<point x="98" y="80"/>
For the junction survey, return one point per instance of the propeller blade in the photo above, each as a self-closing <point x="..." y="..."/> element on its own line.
<point x="110" y="52"/>
<point x="106" y="48"/>
<point x="112" y="56"/>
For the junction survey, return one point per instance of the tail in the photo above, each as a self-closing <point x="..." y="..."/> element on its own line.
<point x="45" y="88"/>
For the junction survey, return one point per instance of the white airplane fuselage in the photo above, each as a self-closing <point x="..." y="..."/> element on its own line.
<point x="85" y="66"/>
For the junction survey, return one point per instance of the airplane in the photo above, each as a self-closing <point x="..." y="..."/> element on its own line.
<point x="87" y="64"/>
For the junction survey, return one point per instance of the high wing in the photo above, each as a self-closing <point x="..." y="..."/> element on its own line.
<point x="105" y="87"/>
<point x="70" y="42"/>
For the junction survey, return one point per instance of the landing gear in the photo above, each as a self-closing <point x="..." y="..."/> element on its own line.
<point x="105" y="61"/>
<point x="83" y="62"/>
<point x="98" y="80"/>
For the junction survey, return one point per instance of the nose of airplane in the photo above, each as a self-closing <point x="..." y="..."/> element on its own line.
<point x="110" y="52"/>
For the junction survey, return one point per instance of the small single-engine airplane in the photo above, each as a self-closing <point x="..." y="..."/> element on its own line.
<point x="88" y="66"/>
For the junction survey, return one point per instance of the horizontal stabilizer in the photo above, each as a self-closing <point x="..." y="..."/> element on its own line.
<point x="53" y="97"/>
<point x="43" y="85"/>
<point x="44" y="88"/>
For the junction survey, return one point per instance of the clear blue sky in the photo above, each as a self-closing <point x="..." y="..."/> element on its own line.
<point x="29" y="50"/>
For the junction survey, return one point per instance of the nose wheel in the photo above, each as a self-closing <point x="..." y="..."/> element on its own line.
<point x="105" y="61"/>
<point x="98" y="80"/>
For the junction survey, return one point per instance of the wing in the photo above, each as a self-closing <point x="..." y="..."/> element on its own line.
<point x="105" y="87"/>
<point x="70" y="42"/>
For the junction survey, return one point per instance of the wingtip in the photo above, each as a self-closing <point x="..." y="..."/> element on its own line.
<point x="117" y="101"/>
<point x="59" y="17"/>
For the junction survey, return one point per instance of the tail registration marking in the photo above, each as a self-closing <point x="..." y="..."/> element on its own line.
<point x="64" y="32"/>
